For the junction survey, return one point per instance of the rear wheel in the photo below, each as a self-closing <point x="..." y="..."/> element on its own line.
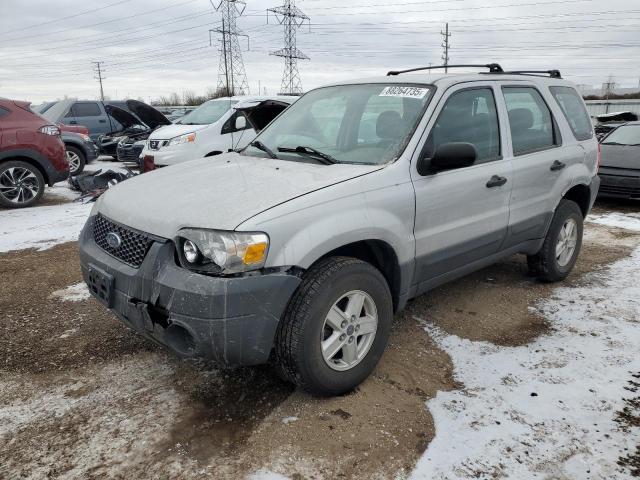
<point x="561" y="246"/>
<point x="76" y="158"/>
<point x="21" y="184"/>
<point x="336" y="326"/>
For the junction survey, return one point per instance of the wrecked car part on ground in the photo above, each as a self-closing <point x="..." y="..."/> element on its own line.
<point x="299" y="249"/>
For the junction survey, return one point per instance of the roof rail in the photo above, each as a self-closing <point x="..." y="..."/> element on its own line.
<point x="551" y="73"/>
<point x="493" y="68"/>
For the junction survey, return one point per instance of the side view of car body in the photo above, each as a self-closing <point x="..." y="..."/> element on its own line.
<point x="361" y="195"/>
<point x="620" y="162"/>
<point x="215" y="127"/>
<point x="32" y="155"/>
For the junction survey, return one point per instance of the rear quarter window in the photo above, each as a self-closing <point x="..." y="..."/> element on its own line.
<point x="4" y="112"/>
<point x="573" y="109"/>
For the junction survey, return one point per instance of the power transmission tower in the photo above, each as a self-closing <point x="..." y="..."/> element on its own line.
<point x="231" y="73"/>
<point x="292" y="18"/>
<point x="97" y="68"/>
<point x="445" y="45"/>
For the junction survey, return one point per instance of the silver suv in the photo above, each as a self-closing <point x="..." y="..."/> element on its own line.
<point x="299" y="249"/>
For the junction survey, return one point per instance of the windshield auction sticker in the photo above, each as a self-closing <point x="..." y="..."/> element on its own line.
<point x="403" y="91"/>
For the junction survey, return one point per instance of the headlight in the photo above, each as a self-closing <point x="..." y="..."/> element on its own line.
<point x="86" y="138"/>
<point x="216" y="251"/>
<point x="186" y="138"/>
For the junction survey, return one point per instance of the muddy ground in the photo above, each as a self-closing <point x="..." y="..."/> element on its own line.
<point x="83" y="397"/>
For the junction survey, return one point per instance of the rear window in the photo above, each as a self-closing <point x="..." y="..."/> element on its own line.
<point x="624" y="135"/>
<point x="86" y="109"/>
<point x="573" y="108"/>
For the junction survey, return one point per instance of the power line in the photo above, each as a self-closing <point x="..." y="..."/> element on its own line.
<point x="291" y="17"/>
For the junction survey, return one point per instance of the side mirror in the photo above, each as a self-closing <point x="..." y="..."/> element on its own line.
<point x="448" y="156"/>
<point x="241" y="122"/>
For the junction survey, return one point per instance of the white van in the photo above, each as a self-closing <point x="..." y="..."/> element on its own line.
<point x="215" y="127"/>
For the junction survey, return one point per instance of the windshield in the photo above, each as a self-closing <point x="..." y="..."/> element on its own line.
<point x="207" y="113"/>
<point x="366" y="123"/>
<point x="624" y="135"/>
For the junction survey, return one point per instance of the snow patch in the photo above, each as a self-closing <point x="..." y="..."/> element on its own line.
<point x="288" y="420"/>
<point x="544" y="410"/>
<point x="628" y="221"/>
<point x="73" y="293"/>
<point x="266" y="475"/>
<point x="41" y="227"/>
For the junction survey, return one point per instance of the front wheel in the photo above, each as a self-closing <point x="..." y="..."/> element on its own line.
<point x="336" y="326"/>
<point x="21" y="184"/>
<point x="561" y="246"/>
<point x="76" y="159"/>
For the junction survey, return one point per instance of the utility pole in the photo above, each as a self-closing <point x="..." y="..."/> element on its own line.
<point x="231" y="73"/>
<point x="97" y="68"/>
<point x="292" y="18"/>
<point x="445" y="45"/>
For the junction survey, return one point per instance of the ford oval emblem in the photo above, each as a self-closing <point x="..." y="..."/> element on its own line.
<point x="113" y="240"/>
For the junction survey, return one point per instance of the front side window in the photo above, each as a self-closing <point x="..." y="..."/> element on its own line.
<point x="468" y="116"/>
<point x="207" y="113"/>
<point x="86" y="109"/>
<point x="532" y="126"/>
<point x="230" y="125"/>
<point x="624" y="135"/>
<point x="574" y="111"/>
<point x="366" y="123"/>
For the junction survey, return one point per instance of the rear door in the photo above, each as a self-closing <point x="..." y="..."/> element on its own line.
<point x="92" y="116"/>
<point x="539" y="158"/>
<point x="462" y="214"/>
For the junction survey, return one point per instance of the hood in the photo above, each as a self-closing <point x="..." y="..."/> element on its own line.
<point x="620" y="156"/>
<point x="216" y="192"/>
<point x="149" y="115"/>
<point x="173" y="130"/>
<point x="124" y="118"/>
<point x="617" y="117"/>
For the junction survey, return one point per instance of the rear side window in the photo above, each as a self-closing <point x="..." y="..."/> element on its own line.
<point x="574" y="111"/>
<point x="469" y="116"/>
<point x="530" y="120"/>
<point x="4" y="112"/>
<point x="86" y="109"/>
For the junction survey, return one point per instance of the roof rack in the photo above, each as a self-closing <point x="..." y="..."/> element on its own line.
<point x="551" y="73"/>
<point x="493" y="68"/>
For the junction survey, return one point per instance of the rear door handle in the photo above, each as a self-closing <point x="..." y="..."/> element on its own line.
<point x="557" y="165"/>
<point x="496" y="181"/>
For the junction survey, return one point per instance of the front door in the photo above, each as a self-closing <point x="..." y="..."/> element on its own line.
<point x="462" y="214"/>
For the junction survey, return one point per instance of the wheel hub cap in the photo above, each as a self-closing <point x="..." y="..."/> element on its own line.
<point x="567" y="241"/>
<point x="349" y="330"/>
<point x="18" y="185"/>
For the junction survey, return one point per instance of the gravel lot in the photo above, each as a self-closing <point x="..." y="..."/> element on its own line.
<point x="83" y="397"/>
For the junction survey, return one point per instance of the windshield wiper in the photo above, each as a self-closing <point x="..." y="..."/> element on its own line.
<point x="261" y="146"/>
<point x="320" y="156"/>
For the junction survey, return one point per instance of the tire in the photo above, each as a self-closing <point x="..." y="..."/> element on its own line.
<point x="77" y="156"/>
<point x="21" y="184"/>
<point x="547" y="265"/>
<point x="305" y="326"/>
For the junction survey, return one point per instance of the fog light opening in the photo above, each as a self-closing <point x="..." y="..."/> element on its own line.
<point x="180" y="340"/>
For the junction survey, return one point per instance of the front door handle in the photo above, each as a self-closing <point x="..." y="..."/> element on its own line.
<point x="496" y="181"/>
<point x="557" y="165"/>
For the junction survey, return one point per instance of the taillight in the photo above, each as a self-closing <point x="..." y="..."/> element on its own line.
<point x="49" y="130"/>
<point x="599" y="155"/>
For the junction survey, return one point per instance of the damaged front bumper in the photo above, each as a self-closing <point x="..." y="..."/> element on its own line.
<point x="230" y="320"/>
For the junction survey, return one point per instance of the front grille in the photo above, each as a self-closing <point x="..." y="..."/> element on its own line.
<point x="133" y="247"/>
<point x="630" y="192"/>
<point x="129" y="152"/>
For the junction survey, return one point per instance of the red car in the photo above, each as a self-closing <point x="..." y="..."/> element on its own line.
<point x="32" y="155"/>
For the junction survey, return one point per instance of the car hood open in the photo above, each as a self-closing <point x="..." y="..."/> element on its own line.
<point x="149" y="115"/>
<point x="124" y="118"/>
<point x="216" y="192"/>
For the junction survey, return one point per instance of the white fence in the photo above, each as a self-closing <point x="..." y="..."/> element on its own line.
<point x="600" y="107"/>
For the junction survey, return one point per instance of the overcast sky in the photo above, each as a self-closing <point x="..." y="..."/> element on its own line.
<point x="154" y="47"/>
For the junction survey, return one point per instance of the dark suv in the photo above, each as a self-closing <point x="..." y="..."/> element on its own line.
<point x="31" y="155"/>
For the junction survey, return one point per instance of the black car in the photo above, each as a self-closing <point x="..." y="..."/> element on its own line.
<point x="80" y="150"/>
<point x="129" y="150"/>
<point x="620" y="162"/>
<point x="138" y="120"/>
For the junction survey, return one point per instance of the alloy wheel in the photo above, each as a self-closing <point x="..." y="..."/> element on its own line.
<point x="74" y="161"/>
<point x="18" y="185"/>
<point x="567" y="241"/>
<point x="349" y="330"/>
